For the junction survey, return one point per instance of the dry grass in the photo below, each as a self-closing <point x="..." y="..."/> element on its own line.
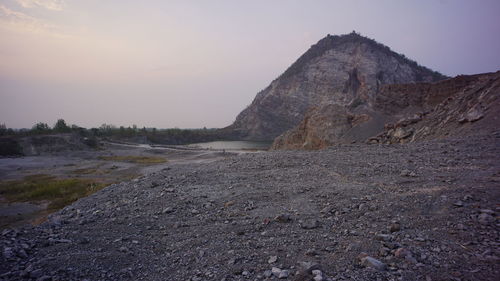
<point x="60" y="192"/>
<point x="135" y="159"/>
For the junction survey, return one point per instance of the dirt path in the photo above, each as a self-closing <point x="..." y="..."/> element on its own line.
<point x="424" y="211"/>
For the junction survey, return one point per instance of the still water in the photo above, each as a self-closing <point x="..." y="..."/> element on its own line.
<point x="233" y="145"/>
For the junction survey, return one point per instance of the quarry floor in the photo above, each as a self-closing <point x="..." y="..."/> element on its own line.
<point x="419" y="211"/>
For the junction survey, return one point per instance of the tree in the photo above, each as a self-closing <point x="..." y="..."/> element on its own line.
<point x="61" y="126"/>
<point x="40" y="128"/>
<point x="3" y="129"/>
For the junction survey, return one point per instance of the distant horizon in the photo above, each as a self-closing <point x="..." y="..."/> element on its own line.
<point x="195" y="64"/>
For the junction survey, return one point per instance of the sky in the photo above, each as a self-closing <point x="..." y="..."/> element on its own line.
<point x="194" y="64"/>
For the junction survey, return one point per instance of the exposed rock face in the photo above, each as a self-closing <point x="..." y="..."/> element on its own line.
<point x="404" y="113"/>
<point x="346" y="70"/>
<point x="320" y="128"/>
<point x="461" y="106"/>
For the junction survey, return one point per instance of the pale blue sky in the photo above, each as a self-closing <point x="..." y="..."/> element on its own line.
<point x="199" y="63"/>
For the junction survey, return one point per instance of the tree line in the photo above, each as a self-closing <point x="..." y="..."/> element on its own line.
<point x="131" y="133"/>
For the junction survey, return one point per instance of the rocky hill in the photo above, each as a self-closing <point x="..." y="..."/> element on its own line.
<point x="405" y="112"/>
<point x="346" y="70"/>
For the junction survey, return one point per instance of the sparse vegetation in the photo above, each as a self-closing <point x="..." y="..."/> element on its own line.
<point x="61" y="127"/>
<point x="332" y="41"/>
<point x="89" y="171"/>
<point x="135" y="159"/>
<point x="9" y="147"/>
<point x="60" y="192"/>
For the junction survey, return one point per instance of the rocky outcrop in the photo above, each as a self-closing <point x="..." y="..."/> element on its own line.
<point x="346" y="70"/>
<point x="405" y="113"/>
<point x="320" y="128"/>
<point x="464" y="105"/>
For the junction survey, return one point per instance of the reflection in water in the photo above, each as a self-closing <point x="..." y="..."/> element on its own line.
<point x="233" y="145"/>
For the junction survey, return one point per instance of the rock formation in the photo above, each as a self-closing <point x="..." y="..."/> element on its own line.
<point x="460" y="106"/>
<point x="403" y="113"/>
<point x="345" y="70"/>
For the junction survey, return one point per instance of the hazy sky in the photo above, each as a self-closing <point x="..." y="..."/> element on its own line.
<point x="191" y="64"/>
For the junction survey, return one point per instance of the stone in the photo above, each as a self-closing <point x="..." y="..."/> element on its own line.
<point x="401" y="253"/>
<point x="395" y="227"/>
<point x="272" y="259"/>
<point x="474" y="114"/>
<point x="309" y="224"/>
<point x="284" y="274"/>
<point x="318" y="278"/>
<point x="284" y="218"/>
<point x="276" y="271"/>
<point x="384" y="237"/>
<point x="168" y="210"/>
<point x="373" y="263"/>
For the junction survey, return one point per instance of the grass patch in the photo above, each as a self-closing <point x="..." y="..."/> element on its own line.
<point x="60" y="192"/>
<point x="90" y="171"/>
<point x="135" y="159"/>
<point x="84" y="171"/>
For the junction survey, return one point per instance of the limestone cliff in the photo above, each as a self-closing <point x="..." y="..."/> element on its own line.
<point x="345" y="70"/>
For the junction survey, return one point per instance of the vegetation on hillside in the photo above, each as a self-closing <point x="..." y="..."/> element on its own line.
<point x="332" y="41"/>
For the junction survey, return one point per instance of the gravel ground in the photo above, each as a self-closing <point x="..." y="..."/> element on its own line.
<point x="422" y="211"/>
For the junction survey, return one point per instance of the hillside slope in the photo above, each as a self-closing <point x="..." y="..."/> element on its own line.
<point x="346" y="70"/>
